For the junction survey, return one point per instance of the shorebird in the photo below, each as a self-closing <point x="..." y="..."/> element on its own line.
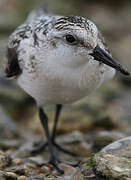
<point x="58" y="60"/>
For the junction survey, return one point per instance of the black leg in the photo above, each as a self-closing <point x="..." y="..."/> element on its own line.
<point x="58" y="111"/>
<point x="53" y="159"/>
<point x="57" y="146"/>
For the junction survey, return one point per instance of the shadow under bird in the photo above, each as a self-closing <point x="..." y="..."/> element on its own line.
<point x="58" y="60"/>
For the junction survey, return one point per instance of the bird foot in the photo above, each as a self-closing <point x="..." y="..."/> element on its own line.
<point x="55" y="162"/>
<point x="42" y="147"/>
<point x="39" y="149"/>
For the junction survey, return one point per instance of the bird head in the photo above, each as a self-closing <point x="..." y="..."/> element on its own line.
<point x="74" y="40"/>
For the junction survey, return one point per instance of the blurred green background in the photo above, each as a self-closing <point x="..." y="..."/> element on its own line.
<point x="107" y="108"/>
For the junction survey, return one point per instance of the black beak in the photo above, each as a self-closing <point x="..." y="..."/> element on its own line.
<point x="104" y="57"/>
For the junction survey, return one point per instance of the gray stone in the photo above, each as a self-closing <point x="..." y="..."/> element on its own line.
<point x="20" y="170"/>
<point x="7" y="176"/>
<point x="72" y="138"/>
<point x="9" y="144"/>
<point x="5" y="160"/>
<point x="114" y="161"/>
<point x="36" y="178"/>
<point x="121" y="147"/>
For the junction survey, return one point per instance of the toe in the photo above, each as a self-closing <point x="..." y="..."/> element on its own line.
<point x="38" y="149"/>
<point x="56" y="164"/>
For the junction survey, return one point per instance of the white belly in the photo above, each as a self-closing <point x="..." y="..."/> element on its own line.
<point x="65" y="90"/>
<point x="49" y="92"/>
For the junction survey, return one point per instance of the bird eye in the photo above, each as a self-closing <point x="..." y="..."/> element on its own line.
<point x="70" y="39"/>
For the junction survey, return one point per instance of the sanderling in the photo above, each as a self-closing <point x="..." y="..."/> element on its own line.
<point x="58" y="60"/>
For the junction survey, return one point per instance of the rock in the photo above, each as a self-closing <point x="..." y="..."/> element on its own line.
<point x="5" y="160"/>
<point x="112" y="167"/>
<point x="75" y="142"/>
<point x="86" y="170"/>
<point x="20" y="170"/>
<point x="103" y="138"/>
<point x="36" y="178"/>
<point x="113" y="162"/>
<point x="72" y="138"/>
<point x="121" y="147"/>
<point x="17" y="161"/>
<point x="7" y="176"/>
<point x="12" y="175"/>
<point x="9" y="144"/>
<point x="22" y="178"/>
<point x="70" y="173"/>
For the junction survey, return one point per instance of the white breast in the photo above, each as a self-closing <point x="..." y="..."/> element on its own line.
<point x="65" y="89"/>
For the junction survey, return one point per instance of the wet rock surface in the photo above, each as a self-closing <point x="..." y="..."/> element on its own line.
<point x="114" y="161"/>
<point x="121" y="147"/>
<point x="86" y="127"/>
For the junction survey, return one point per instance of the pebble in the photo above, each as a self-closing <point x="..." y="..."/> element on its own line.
<point x="12" y="175"/>
<point x="17" y="161"/>
<point x="5" y="160"/>
<point x="22" y="178"/>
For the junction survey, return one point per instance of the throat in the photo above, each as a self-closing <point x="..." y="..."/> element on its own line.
<point x="92" y="76"/>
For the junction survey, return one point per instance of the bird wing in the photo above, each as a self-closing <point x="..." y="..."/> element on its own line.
<point x="12" y="67"/>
